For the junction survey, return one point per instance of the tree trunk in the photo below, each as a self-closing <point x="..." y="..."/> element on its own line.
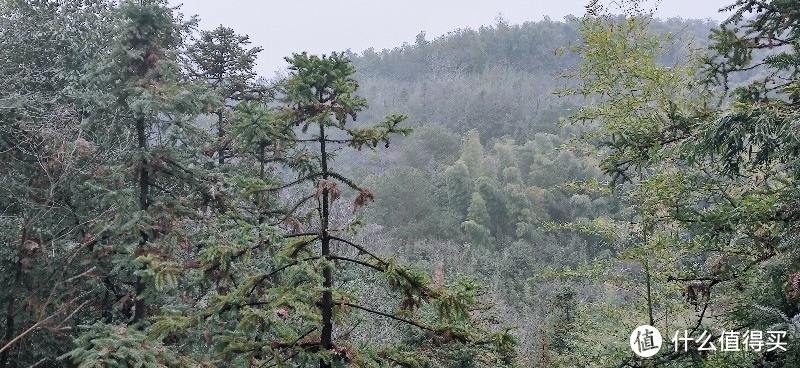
<point x="220" y="135"/>
<point x="4" y="363"/>
<point x="144" y="186"/>
<point x="10" y="319"/>
<point x="326" y="339"/>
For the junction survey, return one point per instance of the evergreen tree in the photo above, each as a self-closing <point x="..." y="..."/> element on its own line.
<point x="321" y="93"/>
<point x="158" y="106"/>
<point x="563" y="333"/>
<point x="275" y="289"/>
<point x="220" y="59"/>
<point x="153" y="192"/>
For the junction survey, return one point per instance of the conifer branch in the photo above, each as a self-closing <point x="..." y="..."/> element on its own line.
<point x="359" y="248"/>
<point x="365" y="264"/>
<point x="391" y="316"/>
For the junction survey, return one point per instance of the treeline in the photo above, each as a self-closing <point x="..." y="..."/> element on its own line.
<point x="496" y="79"/>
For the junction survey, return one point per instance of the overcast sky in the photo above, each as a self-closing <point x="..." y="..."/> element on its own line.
<point x="321" y="26"/>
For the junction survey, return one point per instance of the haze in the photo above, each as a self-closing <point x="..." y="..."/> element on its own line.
<point x="284" y="27"/>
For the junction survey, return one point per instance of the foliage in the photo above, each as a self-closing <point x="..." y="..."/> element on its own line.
<point x="118" y="213"/>
<point x="495" y="79"/>
<point x="220" y="59"/>
<point x="47" y="155"/>
<point x="119" y="346"/>
<point x="165" y="208"/>
<point x="260" y="294"/>
<point x="706" y="184"/>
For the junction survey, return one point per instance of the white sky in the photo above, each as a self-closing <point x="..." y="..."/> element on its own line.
<point x="321" y="26"/>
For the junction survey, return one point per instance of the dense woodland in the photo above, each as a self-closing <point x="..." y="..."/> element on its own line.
<point x="516" y="195"/>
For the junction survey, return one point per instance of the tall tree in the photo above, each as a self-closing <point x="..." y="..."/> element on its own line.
<point x="153" y="188"/>
<point x="281" y="290"/>
<point x="321" y="93"/>
<point x="635" y="109"/>
<point x="220" y="58"/>
<point x="157" y="104"/>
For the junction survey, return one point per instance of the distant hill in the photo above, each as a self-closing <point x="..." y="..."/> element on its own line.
<point x="496" y="79"/>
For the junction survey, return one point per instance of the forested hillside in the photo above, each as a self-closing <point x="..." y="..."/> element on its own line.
<point x="497" y="79"/>
<point x="512" y="196"/>
<point x="486" y="183"/>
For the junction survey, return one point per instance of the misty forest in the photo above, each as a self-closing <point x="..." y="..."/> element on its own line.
<point x="517" y="195"/>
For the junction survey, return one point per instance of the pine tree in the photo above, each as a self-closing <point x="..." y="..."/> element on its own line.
<point x="152" y="189"/>
<point x="220" y="59"/>
<point x="158" y="105"/>
<point x="281" y="295"/>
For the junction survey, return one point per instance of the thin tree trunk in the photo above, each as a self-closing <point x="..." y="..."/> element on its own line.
<point x="10" y="319"/>
<point x="144" y="186"/>
<point x="220" y="135"/>
<point x="326" y="340"/>
<point x="261" y="147"/>
<point x="10" y="303"/>
<point x="649" y="293"/>
<point x="646" y="264"/>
